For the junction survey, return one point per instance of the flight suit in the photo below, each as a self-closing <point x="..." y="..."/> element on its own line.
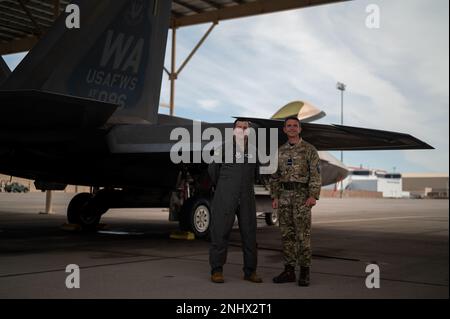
<point x="234" y="195"/>
<point x="297" y="179"/>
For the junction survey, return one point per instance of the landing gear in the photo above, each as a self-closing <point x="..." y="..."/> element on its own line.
<point x="271" y="218"/>
<point x="196" y="216"/>
<point x="85" y="210"/>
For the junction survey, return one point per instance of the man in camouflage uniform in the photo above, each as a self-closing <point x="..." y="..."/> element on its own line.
<point x="295" y="187"/>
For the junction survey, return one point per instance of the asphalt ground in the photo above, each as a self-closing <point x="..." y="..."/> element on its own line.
<point x="135" y="258"/>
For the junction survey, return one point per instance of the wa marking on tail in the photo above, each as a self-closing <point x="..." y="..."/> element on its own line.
<point x="127" y="52"/>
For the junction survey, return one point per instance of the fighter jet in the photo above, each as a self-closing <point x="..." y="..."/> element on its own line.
<point x="82" y="109"/>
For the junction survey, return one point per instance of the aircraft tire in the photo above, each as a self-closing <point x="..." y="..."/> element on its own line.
<point x="271" y="218"/>
<point x="81" y="213"/>
<point x="196" y="216"/>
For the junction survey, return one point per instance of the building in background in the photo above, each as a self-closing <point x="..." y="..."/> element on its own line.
<point x="373" y="180"/>
<point x="361" y="182"/>
<point x="426" y="185"/>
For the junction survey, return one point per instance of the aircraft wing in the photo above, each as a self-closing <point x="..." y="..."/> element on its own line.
<point x="37" y="117"/>
<point x="39" y="110"/>
<point x="348" y="138"/>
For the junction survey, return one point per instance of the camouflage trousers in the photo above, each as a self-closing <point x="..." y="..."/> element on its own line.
<point x="295" y="225"/>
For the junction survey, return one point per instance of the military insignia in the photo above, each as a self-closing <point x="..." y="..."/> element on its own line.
<point x="289" y="162"/>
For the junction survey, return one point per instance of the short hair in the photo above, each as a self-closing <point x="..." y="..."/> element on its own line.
<point x="292" y="118"/>
<point x="241" y="120"/>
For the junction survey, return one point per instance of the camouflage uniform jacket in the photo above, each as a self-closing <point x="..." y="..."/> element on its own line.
<point x="297" y="163"/>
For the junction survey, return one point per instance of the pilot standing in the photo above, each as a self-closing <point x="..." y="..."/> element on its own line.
<point x="234" y="195"/>
<point x="295" y="188"/>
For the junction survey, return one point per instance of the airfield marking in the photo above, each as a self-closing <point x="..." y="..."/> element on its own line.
<point x="368" y="219"/>
<point x="151" y="259"/>
<point x="383" y="279"/>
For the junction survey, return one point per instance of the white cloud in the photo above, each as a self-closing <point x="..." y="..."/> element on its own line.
<point x="208" y="105"/>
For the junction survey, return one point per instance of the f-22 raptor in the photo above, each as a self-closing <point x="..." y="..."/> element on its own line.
<point x="82" y="109"/>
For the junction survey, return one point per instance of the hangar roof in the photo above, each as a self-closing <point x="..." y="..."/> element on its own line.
<point x="23" y="22"/>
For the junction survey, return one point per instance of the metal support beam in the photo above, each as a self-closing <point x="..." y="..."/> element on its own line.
<point x="187" y="6"/>
<point x="56" y="6"/>
<point x="199" y="44"/>
<point x="167" y="71"/>
<point x="341" y="87"/>
<point x="245" y="10"/>
<point x="19" y="45"/>
<point x="174" y="73"/>
<point x="212" y="4"/>
<point x="38" y="29"/>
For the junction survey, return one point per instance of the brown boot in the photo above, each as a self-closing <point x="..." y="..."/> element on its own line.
<point x="288" y="275"/>
<point x="304" y="277"/>
<point x="217" y="277"/>
<point x="253" y="277"/>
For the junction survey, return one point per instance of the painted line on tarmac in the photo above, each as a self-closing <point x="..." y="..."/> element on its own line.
<point x="155" y="258"/>
<point x="383" y="279"/>
<point x="368" y="219"/>
<point x="314" y="255"/>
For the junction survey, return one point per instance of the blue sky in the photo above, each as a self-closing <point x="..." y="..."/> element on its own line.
<point x="397" y="75"/>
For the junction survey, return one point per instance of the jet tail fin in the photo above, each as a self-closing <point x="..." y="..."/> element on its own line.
<point x="4" y="71"/>
<point x="116" y="56"/>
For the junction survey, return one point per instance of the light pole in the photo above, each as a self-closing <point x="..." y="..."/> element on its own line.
<point x="341" y="87"/>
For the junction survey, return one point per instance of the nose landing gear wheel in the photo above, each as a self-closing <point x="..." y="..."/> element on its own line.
<point x="196" y="216"/>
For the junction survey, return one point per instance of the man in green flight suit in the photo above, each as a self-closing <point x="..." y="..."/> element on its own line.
<point x="295" y="188"/>
<point x="234" y="195"/>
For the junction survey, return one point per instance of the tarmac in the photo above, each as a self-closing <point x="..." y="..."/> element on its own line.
<point x="135" y="258"/>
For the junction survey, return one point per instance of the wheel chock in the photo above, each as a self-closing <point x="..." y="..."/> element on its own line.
<point x="76" y="227"/>
<point x="102" y="227"/>
<point x="183" y="235"/>
<point x="71" y="227"/>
